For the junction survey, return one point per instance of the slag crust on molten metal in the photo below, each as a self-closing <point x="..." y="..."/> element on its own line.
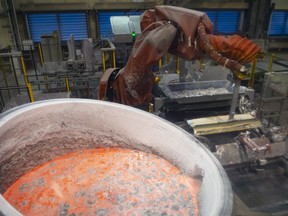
<point x="105" y="181"/>
<point x="183" y="32"/>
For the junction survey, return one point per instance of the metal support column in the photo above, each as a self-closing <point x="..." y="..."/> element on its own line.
<point x="15" y="75"/>
<point x="235" y="99"/>
<point x="5" y="77"/>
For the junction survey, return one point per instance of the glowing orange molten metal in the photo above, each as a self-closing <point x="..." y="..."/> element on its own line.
<point x="105" y="182"/>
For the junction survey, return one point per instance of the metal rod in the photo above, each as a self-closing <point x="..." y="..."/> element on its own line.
<point x="234" y="99"/>
<point x="103" y="61"/>
<point x="11" y="24"/>
<point x="2" y="101"/>
<point x="178" y="65"/>
<point x="40" y="54"/>
<point x="14" y="72"/>
<point x="5" y="77"/>
<point x="34" y="65"/>
<point x="150" y="107"/>
<point x="114" y="58"/>
<point x="252" y="74"/>
<point x="160" y="63"/>
<point x="42" y="62"/>
<point x="271" y="63"/>
<point x="29" y="88"/>
<point x="30" y="92"/>
<point x="24" y="70"/>
<point x="67" y="84"/>
<point x="201" y="64"/>
<point x="10" y="53"/>
<point x="18" y="36"/>
<point x="168" y="57"/>
<point x="13" y="87"/>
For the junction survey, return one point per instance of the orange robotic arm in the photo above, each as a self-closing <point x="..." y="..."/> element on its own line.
<point x="182" y="32"/>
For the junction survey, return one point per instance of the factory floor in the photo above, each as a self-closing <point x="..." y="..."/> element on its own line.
<point x="243" y="210"/>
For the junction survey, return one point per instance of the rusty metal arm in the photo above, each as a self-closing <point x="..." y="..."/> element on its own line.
<point x="206" y="46"/>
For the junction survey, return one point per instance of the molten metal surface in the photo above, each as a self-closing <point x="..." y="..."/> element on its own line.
<point x="105" y="182"/>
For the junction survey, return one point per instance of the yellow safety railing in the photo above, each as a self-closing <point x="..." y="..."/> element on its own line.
<point x="67" y="84"/>
<point x="29" y="87"/>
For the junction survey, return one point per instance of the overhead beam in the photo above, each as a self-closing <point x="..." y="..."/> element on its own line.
<point x="217" y="5"/>
<point x="54" y="7"/>
<point x="125" y="5"/>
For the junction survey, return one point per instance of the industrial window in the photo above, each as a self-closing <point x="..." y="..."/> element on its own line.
<point x="65" y="23"/>
<point x="225" y="21"/>
<point x="278" y="24"/>
<point x="105" y="29"/>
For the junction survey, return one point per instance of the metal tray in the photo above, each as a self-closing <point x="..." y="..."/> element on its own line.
<point x="199" y="92"/>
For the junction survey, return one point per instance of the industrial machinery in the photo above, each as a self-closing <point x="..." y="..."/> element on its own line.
<point x="187" y="34"/>
<point x="182" y="32"/>
<point x="79" y="69"/>
<point x="254" y="157"/>
<point x="251" y="151"/>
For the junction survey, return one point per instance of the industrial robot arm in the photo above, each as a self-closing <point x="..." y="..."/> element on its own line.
<point x="183" y="32"/>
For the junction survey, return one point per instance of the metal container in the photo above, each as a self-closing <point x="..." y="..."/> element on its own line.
<point x="35" y="133"/>
<point x="202" y="91"/>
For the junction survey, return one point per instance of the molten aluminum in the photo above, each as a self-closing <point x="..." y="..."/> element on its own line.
<point x="105" y="181"/>
<point x="71" y="156"/>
